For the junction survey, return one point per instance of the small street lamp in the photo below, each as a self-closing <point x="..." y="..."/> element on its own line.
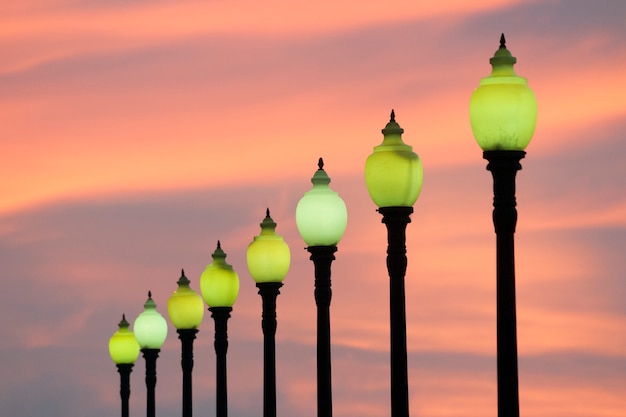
<point x="321" y="218"/>
<point x="503" y="114"/>
<point x="393" y="175"/>
<point x="150" y="332"/>
<point x="268" y="259"/>
<point x="219" y="284"/>
<point x="124" y="350"/>
<point x="186" y="310"/>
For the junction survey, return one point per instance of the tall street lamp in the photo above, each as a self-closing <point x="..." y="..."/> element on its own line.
<point x="321" y="218"/>
<point x="393" y="175"/>
<point x="219" y="285"/>
<point x="186" y="310"/>
<point x="150" y="332"/>
<point x="124" y="349"/>
<point x="268" y="259"/>
<point x="503" y="114"/>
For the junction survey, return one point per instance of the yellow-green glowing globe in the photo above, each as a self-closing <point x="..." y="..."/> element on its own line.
<point x="268" y="255"/>
<point x="219" y="283"/>
<point x="123" y="346"/>
<point x="185" y="306"/>
<point x="503" y="109"/>
<point x="393" y="172"/>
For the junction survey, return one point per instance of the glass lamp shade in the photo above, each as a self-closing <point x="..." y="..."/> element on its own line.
<point x="219" y="283"/>
<point x="503" y="109"/>
<point x="185" y="306"/>
<point x="393" y="172"/>
<point x="268" y="255"/>
<point x="321" y="215"/>
<point x="150" y="326"/>
<point x="123" y="346"/>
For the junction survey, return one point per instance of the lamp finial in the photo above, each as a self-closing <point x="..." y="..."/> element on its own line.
<point x="320" y="163"/>
<point x="502" y="41"/>
<point x="393" y="116"/>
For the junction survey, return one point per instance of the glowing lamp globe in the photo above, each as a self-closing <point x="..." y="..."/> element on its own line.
<point x="123" y="346"/>
<point x="393" y="172"/>
<point x="503" y="109"/>
<point x="321" y="215"/>
<point x="150" y="326"/>
<point x="185" y="306"/>
<point x="268" y="255"/>
<point x="219" y="283"/>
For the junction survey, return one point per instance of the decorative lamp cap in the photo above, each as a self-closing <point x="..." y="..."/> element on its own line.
<point x="268" y="224"/>
<point x="149" y="304"/>
<point x="219" y="255"/>
<point x="320" y="176"/>
<point x="123" y="324"/>
<point x="183" y="281"/>
<point x="392" y="128"/>
<point x="502" y="57"/>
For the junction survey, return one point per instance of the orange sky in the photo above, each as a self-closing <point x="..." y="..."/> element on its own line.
<point x="134" y="135"/>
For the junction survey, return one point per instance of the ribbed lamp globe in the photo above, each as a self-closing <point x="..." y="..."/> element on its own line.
<point x="219" y="283"/>
<point x="150" y="326"/>
<point x="321" y="215"/>
<point x="123" y="346"/>
<point x="503" y="109"/>
<point x="268" y="255"/>
<point x="185" y="306"/>
<point x="393" y="172"/>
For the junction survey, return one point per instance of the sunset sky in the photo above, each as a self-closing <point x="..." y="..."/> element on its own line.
<point x="135" y="134"/>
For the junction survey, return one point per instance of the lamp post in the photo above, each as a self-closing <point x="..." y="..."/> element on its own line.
<point x="124" y="349"/>
<point x="219" y="284"/>
<point x="268" y="259"/>
<point x="321" y="218"/>
<point x="503" y="114"/>
<point x="393" y="175"/>
<point x="186" y="310"/>
<point x="150" y="332"/>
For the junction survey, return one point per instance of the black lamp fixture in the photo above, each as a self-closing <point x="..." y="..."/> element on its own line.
<point x="321" y="218"/>
<point x="503" y="115"/>
<point x="393" y="175"/>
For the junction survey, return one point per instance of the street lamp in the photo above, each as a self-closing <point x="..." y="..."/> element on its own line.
<point x="321" y="218"/>
<point x="393" y="175"/>
<point x="124" y="349"/>
<point x="219" y="284"/>
<point x="150" y="332"/>
<point x="186" y="310"/>
<point x="268" y="259"/>
<point x="503" y="114"/>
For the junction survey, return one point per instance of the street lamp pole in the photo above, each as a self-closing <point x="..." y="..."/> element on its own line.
<point x="221" y="315"/>
<point x="219" y="285"/>
<point x="503" y="114"/>
<point x="150" y="332"/>
<point x="268" y="258"/>
<point x="393" y="175"/>
<point x="504" y="166"/>
<point x="321" y="218"/>
<point x="396" y="220"/>
<point x="186" y="311"/>
<point x="124" y="349"/>
<point x="322" y="257"/>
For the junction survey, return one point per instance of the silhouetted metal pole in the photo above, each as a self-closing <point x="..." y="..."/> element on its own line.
<point x="322" y="257"/>
<point x="221" y="316"/>
<point x="187" y="336"/>
<point x="124" y="369"/>
<point x="396" y="220"/>
<point x="504" y="166"/>
<point x="269" y="291"/>
<point x="150" y="355"/>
